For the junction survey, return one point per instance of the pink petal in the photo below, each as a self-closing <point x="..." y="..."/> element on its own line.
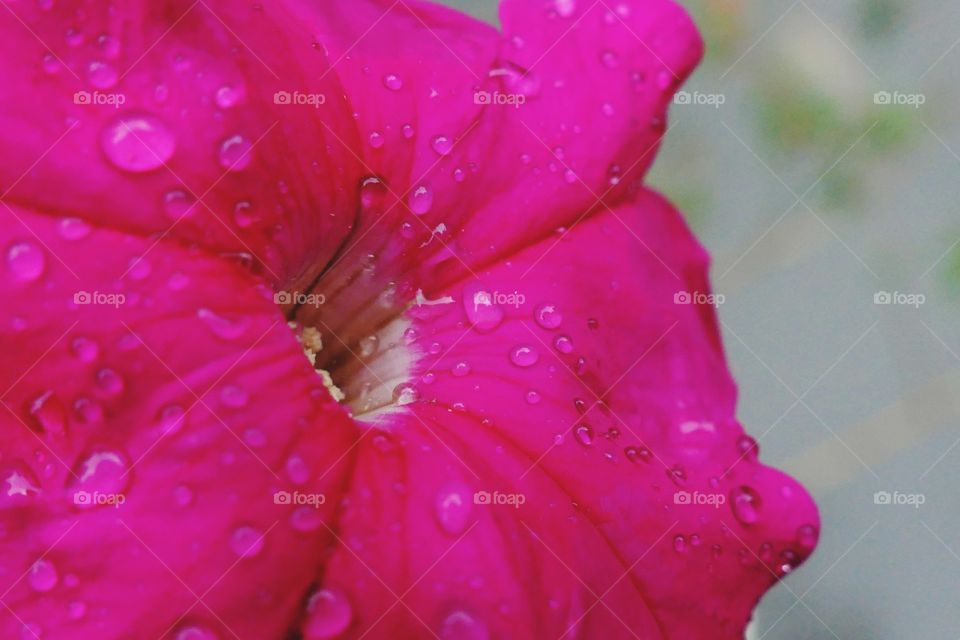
<point x="147" y="424"/>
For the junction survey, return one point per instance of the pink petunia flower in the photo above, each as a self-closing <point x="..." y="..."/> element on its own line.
<point x="355" y="319"/>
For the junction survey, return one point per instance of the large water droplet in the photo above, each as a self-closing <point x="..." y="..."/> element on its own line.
<point x="484" y="314"/>
<point x="102" y="473"/>
<point x="547" y="316"/>
<point x="235" y="153"/>
<point x="26" y="261"/>
<point x="393" y="82"/>
<point x="745" y="504"/>
<point x="442" y="145"/>
<point x="453" y="507"/>
<point x="328" y="615"/>
<point x="421" y="200"/>
<point x="460" y="625"/>
<point x="524" y="356"/>
<point x="405" y="393"/>
<point x="42" y="576"/>
<point x="246" y="542"/>
<point x="137" y="143"/>
<point x="48" y="411"/>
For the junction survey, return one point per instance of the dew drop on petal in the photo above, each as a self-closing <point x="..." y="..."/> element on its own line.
<point x="421" y="200"/>
<point x="84" y="349"/>
<point x="137" y="143"/>
<point x="43" y="576"/>
<point x="329" y="613"/>
<point x="679" y="544"/>
<point x="246" y="542"/>
<point x="110" y="382"/>
<point x="48" y="411"/>
<point x="482" y="312"/>
<point x="460" y="625"/>
<point x="405" y="393"/>
<point x="26" y="261"/>
<point x="548" y="317"/>
<point x="223" y="327"/>
<point x="453" y="507"/>
<point x="178" y="204"/>
<point x="228" y="96"/>
<point x="442" y="145"/>
<point x="101" y="75"/>
<point x="563" y="344"/>
<point x="461" y="369"/>
<point x="375" y="139"/>
<point x="524" y="356"/>
<point x="235" y="153"/>
<point x="583" y="434"/>
<point x="807" y="536"/>
<point x="234" y="396"/>
<point x="533" y="397"/>
<point x="73" y="229"/>
<point x="393" y="82"/>
<point x="748" y="447"/>
<point x="102" y="472"/>
<point x="195" y="632"/>
<point x="306" y="519"/>
<point x="745" y="504"/>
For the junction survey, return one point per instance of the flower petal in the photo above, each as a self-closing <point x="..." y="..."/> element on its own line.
<point x="146" y="425"/>
<point x="588" y="386"/>
<point x="195" y="120"/>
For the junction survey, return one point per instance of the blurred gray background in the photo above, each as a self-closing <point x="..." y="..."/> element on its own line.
<point x="814" y="195"/>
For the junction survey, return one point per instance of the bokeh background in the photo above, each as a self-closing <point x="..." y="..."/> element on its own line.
<point x="814" y="195"/>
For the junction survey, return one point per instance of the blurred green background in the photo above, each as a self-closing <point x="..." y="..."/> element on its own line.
<point x="814" y="195"/>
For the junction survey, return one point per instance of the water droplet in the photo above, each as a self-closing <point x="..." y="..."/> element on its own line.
<point x="745" y="504"/>
<point x="102" y="472"/>
<point x="421" y="200"/>
<point x="533" y="397"/>
<point x="638" y="454"/>
<point x="748" y="447"/>
<point x="42" y="576"/>
<point x="405" y="393"/>
<point x="563" y="344"/>
<point x="76" y="610"/>
<point x="223" y="327"/>
<point x="49" y="413"/>
<point x="460" y="625"/>
<point x="368" y="346"/>
<point x="407" y="131"/>
<point x="137" y="143"/>
<point x="679" y="544"/>
<point x="482" y="312"/>
<point x="73" y="229"/>
<point x="195" y="632"/>
<point x="807" y="536"/>
<point x="548" y="316"/>
<point x="235" y="153"/>
<point x="583" y="434"/>
<point x="233" y="396"/>
<point x="592" y="324"/>
<point x="101" y="75"/>
<point x="178" y="204"/>
<point x="328" y="615"/>
<point x="461" y="369"/>
<point x="610" y="59"/>
<point x="524" y="356"/>
<point x="182" y="496"/>
<point x="453" y="507"/>
<point x="246" y="542"/>
<point x="26" y="261"/>
<point x="297" y="470"/>
<point x="442" y="145"/>
<point x="375" y="139"/>
<point x="88" y="411"/>
<point x="110" y="382"/>
<point x="84" y="349"/>
<point x="228" y="96"/>
<point x="393" y="82"/>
